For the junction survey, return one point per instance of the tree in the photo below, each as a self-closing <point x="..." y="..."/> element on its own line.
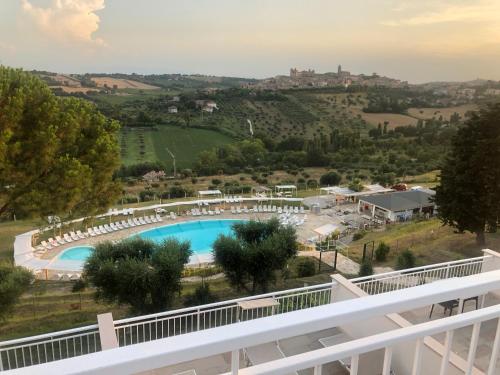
<point x="257" y="251"/>
<point x="201" y="296"/>
<point x="366" y="268"/>
<point x="330" y="179"/>
<point x="382" y="251"/>
<point x="143" y="274"/>
<point x="13" y="283"/>
<point x="406" y="260"/>
<point x="467" y="196"/>
<point x="56" y="154"/>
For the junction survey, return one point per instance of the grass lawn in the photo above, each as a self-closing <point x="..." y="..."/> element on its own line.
<point x="8" y="231"/>
<point x="429" y="240"/>
<point x="51" y="306"/>
<point x="141" y="145"/>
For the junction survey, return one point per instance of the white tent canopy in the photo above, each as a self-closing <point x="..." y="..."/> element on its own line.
<point x="288" y="190"/>
<point x="326" y="229"/>
<point x="204" y="193"/>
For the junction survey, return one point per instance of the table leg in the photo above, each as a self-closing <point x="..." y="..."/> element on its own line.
<point x="432" y="309"/>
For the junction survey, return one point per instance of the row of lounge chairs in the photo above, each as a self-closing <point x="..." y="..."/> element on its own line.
<point x="291" y="219"/>
<point x="98" y="230"/>
<point x="233" y="198"/>
<point x="205" y="212"/>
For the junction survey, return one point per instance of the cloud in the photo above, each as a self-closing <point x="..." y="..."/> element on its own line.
<point x="67" y="20"/>
<point x="479" y="11"/>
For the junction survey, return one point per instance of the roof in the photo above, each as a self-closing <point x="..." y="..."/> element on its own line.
<point x="260" y="188"/>
<point x="286" y="187"/>
<point x="326" y="229"/>
<point x="401" y="200"/>
<point x="209" y="192"/>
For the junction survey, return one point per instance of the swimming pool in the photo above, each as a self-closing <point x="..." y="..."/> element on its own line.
<point x="76" y="253"/>
<point x="201" y="234"/>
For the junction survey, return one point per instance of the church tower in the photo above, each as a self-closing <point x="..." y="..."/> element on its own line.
<point x="339" y="70"/>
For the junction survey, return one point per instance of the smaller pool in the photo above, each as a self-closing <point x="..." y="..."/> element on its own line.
<point x="76" y="253"/>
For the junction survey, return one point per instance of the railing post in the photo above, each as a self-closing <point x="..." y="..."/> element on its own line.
<point x="107" y="332"/>
<point x="318" y="369"/>
<point x="333" y="289"/>
<point x="198" y="320"/>
<point x="235" y="362"/>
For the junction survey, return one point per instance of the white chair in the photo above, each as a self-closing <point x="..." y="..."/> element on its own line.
<point x="103" y="229"/>
<point x="204" y="211"/>
<point x="147" y="220"/>
<point x="59" y="240"/>
<point x="173" y="216"/>
<point x="302" y="209"/>
<point x="114" y="226"/>
<point x="67" y="238"/>
<point x="137" y="222"/>
<point x="159" y="218"/>
<point x="153" y="219"/>
<point x="53" y="242"/>
<point x="233" y="211"/>
<point x="238" y="210"/>
<point x="131" y="223"/>
<point x="46" y="245"/>
<point x="210" y="213"/>
<point x="142" y="221"/>
<point x="296" y="210"/>
<point x="217" y="211"/>
<point x="74" y="236"/>
<point x="108" y="228"/>
<point x="80" y="234"/>
<point x="280" y="210"/>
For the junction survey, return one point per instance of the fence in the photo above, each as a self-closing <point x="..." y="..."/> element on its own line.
<point x="396" y="280"/>
<point x="71" y="343"/>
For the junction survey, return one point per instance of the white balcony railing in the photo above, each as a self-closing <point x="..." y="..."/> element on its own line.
<point x="390" y="281"/>
<point x="233" y="339"/>
<point x="80" y="341"/>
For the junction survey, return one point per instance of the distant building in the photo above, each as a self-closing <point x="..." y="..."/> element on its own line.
<point x="176" y="99"/>
<point x="153" y="176"/>
<point x="492" y="92"/>
<point x="295" y="73"/>
<point x="172" y="109"/>
<point x="208" y="109"/>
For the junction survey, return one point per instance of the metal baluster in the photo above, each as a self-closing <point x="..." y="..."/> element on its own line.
<point x="417" y="361"/>
<point x="446" y="356"/>
<point x="473" y="347"/>
<point x="386" y="370"/>
<point x="494" y="351"/>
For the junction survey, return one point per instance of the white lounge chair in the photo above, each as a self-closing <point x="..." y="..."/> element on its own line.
<point x="104" y="230"/>
<point x="142" y="221"/>
<point x="97" y="231"/>
<point x="108" y="228"/>
<point x="204" y="211"/>
<point x="301" y="209"/>
<point x="114" y="226"/>
<point x="147" y="220"/>
<point x="74" y="236"/>
<point x="159" y="218"/>
<point x="245" y="209"/>
<point x="46" y="245"/>
<point x="67" y="238"/>
<point x="210" y="213"/>
<point x="233" y="211"/>
<point x="81" y="235"/>
<point x="173" y="216"/>
<point x="137" y="221"/>
<point x="217" y="211"/>
<point x="53" y="242"/>
<point x="153" y="219"/>
<point x="131" y="223"/>
<point x="238" y="210"/>
<point x="296" y="210"/>
<point x="59" y="240"/>
<point x="124" y="224"/>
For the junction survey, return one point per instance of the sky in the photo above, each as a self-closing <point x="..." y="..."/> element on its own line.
<point x="414" y="40"/>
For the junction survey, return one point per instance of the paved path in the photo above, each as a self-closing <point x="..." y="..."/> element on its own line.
<point x="344" y="264"/>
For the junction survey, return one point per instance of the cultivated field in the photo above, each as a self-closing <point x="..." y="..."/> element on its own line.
<point x="393" y="119"/>
<point x="121" y="83"/>
<point x="429" y="113"/>
<point x="73" y="90"/>
<point x="141" y="145"/>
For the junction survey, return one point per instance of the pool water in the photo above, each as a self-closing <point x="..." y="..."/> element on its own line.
<point x="76" y="253"/>
<point x="201" y="235"/>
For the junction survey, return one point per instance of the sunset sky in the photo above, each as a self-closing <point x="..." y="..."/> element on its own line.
<point x="424" y="40"/>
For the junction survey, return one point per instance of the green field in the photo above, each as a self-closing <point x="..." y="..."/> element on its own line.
<point x="141" y="144"/>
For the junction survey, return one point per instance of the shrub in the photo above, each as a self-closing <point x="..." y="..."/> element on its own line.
<point x="366" y="268"/>
<point x="201" y="296"/>
<point x="306" y="267"/>
<point x="406" y="260"/>
<point x="216" y="181"/>
<point x="382" y="251"/>
<point x="330" y="178"/>
<point x="358" y="235"/>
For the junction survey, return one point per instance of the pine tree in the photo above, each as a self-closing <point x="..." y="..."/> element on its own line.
<point x="468" y="197"/>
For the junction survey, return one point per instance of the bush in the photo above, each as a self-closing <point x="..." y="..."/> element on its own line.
<point x="382" y="251"/>
<point x="330" y="178"/>
<point x="406" y="260"/>
<point x="366" y="268"/>
<point x="306" y="267"/>
<point x="216" y="181"/>
<point x="358" y="235"/>
<point x="201" y="296"/>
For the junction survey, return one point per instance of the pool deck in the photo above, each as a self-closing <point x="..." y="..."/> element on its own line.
<point x="304" y="232"/>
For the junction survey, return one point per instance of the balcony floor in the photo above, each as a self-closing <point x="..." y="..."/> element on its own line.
<point x="461" y="338"/>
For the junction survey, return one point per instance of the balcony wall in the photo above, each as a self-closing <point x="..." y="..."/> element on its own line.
<point x="403" y="355"/>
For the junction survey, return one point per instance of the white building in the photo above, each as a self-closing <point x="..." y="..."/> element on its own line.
<point x="390" y="323"/>
<point x="399" y="205"/>
<point x="172" y="109"/>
